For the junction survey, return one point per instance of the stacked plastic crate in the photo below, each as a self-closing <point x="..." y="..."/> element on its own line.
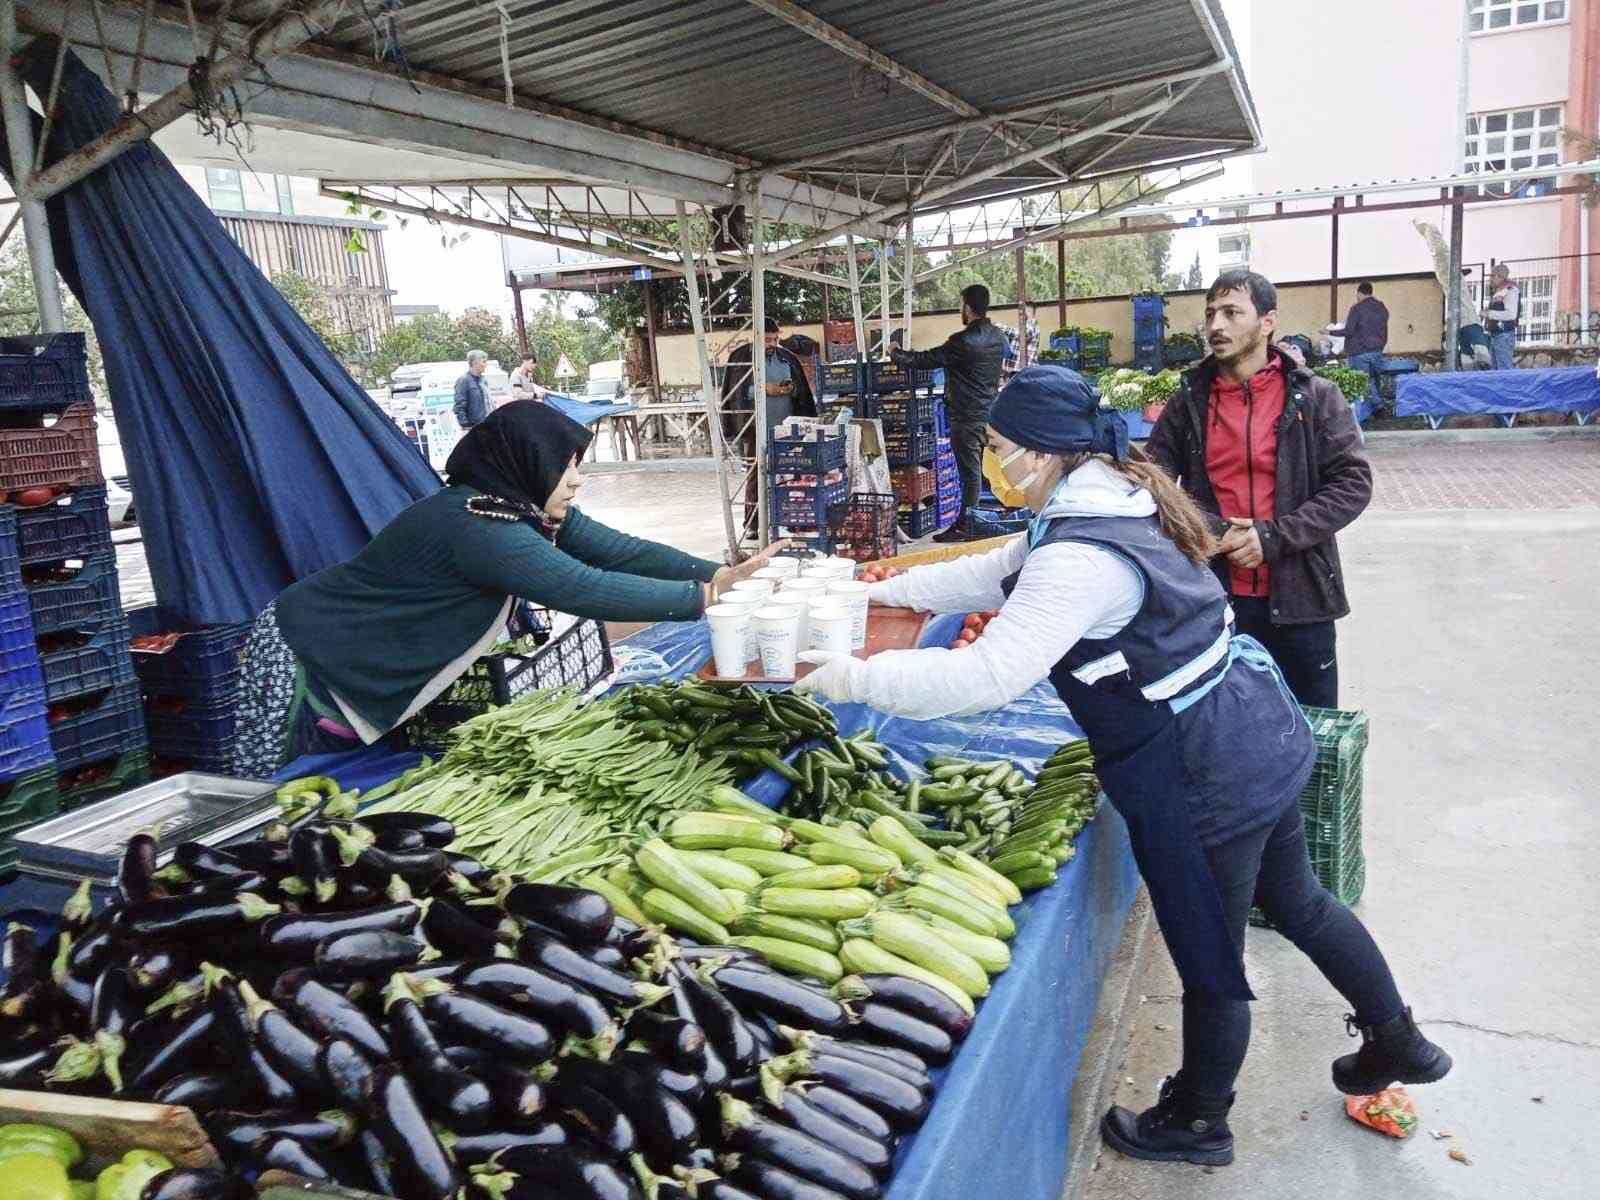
<point x="190" y="680"/>
<point x="1149" y="330"/>
<point x="910" y="408"/>
<point x="806" y="477"/>
<point x="61" y="617"/>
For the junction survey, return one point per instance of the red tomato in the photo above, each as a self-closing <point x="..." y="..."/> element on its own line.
<point x="33" y="497"/>
<point x="972" y="621"/>
<point x="990" y="615"/>
<point x="968" y="636"/>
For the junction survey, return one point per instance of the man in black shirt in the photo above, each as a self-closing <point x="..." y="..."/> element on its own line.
<point x="1366" y="333"/>
<point x="971" y="358"/>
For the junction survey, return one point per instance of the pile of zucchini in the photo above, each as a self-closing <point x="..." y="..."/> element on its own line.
<point x="745" y="728"/>
<point x="351" y="1001"/>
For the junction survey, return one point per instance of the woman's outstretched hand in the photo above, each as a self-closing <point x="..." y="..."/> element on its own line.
<point x="728" y="576"/>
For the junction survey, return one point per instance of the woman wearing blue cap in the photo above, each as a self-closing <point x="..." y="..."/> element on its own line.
<point x="1197" y="740"/>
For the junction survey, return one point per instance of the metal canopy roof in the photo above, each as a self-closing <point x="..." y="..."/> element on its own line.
<point x="862" y="105"/>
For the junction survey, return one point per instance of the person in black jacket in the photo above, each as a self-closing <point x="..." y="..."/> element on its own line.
<point x="971" y="358"/>
<point x="788" y="395"/>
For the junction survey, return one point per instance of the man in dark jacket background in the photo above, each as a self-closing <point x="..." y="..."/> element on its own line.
<point x="472" y="397"/>
<point x="1366" y="333"/>
<point x="971" y="358"/>
<point x="1274" y="454"/>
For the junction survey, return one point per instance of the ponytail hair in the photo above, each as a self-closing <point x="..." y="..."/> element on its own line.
<point x="1181" y="518"/>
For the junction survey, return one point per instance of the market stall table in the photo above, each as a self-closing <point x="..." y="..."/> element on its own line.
<point x="1000" y="1118"/>
<point x="1501" y="394"/>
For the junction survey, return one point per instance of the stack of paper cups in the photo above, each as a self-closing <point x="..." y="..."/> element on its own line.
<point x="843" y="568"/>
<point x="777" y="629"/>
<point x="730" y="629"/>
<point x="853" y="594"/>
<point x="831" y="626"/>
<point x="755" y="592"/>
<point x="820" y="569"/>
<point x="746" y="602"/>
<point x="802" y="593"/>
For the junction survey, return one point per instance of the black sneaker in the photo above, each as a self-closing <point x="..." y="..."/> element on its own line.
<point x="1394" y="1052"/>
<point x="1181" y="1127"/>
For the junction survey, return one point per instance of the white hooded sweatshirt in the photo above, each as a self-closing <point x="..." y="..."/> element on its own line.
<point x="1067" y="591"/>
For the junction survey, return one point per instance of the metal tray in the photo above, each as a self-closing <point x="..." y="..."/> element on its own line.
<point x="88" y="842"/>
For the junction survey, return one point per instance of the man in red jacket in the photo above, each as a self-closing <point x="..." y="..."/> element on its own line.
<point x="1274" y="454"/>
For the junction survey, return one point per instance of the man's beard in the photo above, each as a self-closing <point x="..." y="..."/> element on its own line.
<point x="1241" y="349"/>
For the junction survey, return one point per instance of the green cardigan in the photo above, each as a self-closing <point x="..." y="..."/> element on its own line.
<point x="376" y="630"/>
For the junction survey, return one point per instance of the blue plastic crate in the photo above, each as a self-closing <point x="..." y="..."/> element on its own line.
<point x="106" y="723"/>
<point x="19" y="653"/>
<point x="840" y="378"/>
<point x="805" y="456"/>
<point x="74" y="526"/>
<point x="910" y="448"/>
<point x="50" y="371"/>
<point x="24" y="734"/>
<point x="85" y="600"/>
<point x="906" y="410"/>
<point x="203" y="665"/>
<point x="85" y="662"/>
<point x="1149" y="331"/>
<point x="806" y="507"/>
<point x="191" y="730"/>
<point x="1149" y="304"/>
<point x="919" y="520"/>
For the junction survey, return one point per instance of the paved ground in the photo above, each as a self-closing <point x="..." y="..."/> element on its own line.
<point x="1471" y="646"/>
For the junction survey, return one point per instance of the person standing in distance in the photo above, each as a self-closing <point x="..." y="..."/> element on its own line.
<point x="1273" y="454"/>
<point x="971" y="358"/>
<point x="472" y="405"/>
<point x="1501" y="315"/>
<point x="1366" y="333"/>
<point x="523" y="385"/>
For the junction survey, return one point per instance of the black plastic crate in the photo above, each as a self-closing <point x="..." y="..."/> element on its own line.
<point x="24" y="735"/>
<point x="841" y="378"/>
<point x="806" y="456"/>
<point x="919" y="520"/>
<point x="807" y="507"/>
<point x="908" y="448"/>
<point x="578" y="656"/>
<point x="48" y="371"/>
<point x="904" y="411"/>
<point x="863" y="526"/>
<point x="202" y="665"/>
<point x="98" y="725"/>
<point x="74" y="594"/>
<point x="79" y="661"/>
<point x="73" y="526"/>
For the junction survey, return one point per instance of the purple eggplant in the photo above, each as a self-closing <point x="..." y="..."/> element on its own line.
<point x="748" y="1132"/>
<point x="188" y="918"/>
<point x="900" y="1103"/>
<point x="454" y="931"/>
<point x="892" y="1027"/>
<point x="573" y="913"/>
<point x="725" y="1026"/>
<point x="324" y="1011"/>
<point x="194" y="1183"/>
<point x="315" y="858"/>
<point x="366" y="954"/>
<point x="519" y="1098"/>
<point x="290" y="1050"/>
<point x="348" y="1074"/>
<point x="153" y="969"/>
<point x="851" y="1111"/>
<point x="666" y="1126"/>
<point x="463" y="1102"/>
<point x="795" y="1109"/>
<point x="280" y="1152"/>
<point x="551" y="954"/>
<point x="672" y="1039"/>
<point x="205" y="1091"/>
<point x="175" y="1045"/>
<point x="136" y="872"/>
<point x="781" y="998"/>
<point x="296" y="937"/>
<point x="772" y="1182"/>
<point x="435" y="831"/>
<point x="544" y="1172"/>
<point x="469" y="1018"/>
<point x="421" y="1165"/>
<point x="550" y="996"/>
<point x="910" y="996"/>
<point x="474" y="1148"/>
<point x="888" y="1063"/>
<point x="237" y="1131"/>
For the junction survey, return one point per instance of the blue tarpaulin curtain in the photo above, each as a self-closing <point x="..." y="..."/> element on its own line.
<point x="255" y="458"/>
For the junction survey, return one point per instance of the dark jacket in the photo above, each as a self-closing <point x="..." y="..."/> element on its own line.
<point x="472" y="400"/>
<point x="1366" y="329"/>
<point x="1324" y="482"/>
<point x="736" y="406"/>
<point x="971" y="358"/>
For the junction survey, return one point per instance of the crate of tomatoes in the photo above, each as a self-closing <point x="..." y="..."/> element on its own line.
<point x="972" y="627"/>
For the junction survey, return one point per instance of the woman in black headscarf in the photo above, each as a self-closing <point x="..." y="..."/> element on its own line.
<point x="348" y="654"/>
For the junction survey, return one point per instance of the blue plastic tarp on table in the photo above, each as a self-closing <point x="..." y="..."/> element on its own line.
<point x="1451" y="393"/>
<point x="583" y="411"/>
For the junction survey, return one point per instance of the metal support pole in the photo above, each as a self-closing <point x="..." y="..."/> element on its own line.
<point x="19" y="134"/>
<point x="1022" y="300"/>
<point x="651" y="320"/>
<point x="1454" y="318"/>
<point x="910" y="292"/>
<point x="1061" y="282"/>
<point x="516" y="309"/>
<point x="708" y="378"/>
<point x="883" y="299"/>
<point x="855" y="298"/>
<point x="1333" y="264"/>
<point x="1583" y="274"/>
<point x="758" y="358"/>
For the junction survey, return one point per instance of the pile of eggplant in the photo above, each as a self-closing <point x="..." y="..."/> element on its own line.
<point x="349" y="1001"/>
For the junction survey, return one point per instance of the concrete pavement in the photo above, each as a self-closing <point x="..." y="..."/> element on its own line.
<point x="1472" y="648"/>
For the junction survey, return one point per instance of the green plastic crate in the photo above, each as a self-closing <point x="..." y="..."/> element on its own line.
<point x="24" y="800"/>
<point x="1331" y="804"/>
<point x="126" y="770"/>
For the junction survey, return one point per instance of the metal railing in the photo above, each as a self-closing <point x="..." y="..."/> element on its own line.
<point x="1544" y="283"/>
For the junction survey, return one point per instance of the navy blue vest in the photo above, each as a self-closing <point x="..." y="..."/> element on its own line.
<point x="1117" y="687"/>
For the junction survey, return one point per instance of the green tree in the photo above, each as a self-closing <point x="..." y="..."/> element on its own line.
<point x="1194" y="279"/>
<point x="318" y="310"/>
<point x="19" y="308"/>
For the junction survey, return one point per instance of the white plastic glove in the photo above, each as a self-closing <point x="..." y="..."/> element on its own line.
<point x="881" y="593"/>
<point x="838" y="677"/>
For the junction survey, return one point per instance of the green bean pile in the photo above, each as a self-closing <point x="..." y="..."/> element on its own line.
<point x="548" y="790"/>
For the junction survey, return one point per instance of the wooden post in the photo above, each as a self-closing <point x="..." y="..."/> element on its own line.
<point x="522" y="324"/>
<point x="1061" y="283"/>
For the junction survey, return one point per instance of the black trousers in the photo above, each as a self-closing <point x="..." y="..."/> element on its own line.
<point x="967" y="439"/>
<point x="1305" y="654"/>
<point x="1271" y="868"/>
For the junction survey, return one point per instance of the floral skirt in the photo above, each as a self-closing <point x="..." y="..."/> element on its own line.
<point x="268" y="674"/>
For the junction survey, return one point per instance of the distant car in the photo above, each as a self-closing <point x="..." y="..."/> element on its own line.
<point x="114" y="468"/>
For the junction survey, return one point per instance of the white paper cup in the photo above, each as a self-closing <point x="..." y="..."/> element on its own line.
<point x="812" y="587"/>
<point x="820" y="570"/>
<point x="853" y="594"/>
<point x="843" y="568"/>
<point x="775" y="575"/>
<point x="798" y="593"/>
<point x="777" y="629"/>
<point x="832" y="627"/>
<point x="730" y="627"/>
<point x="747" y="602"/>
<point x="758" y="588"/>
